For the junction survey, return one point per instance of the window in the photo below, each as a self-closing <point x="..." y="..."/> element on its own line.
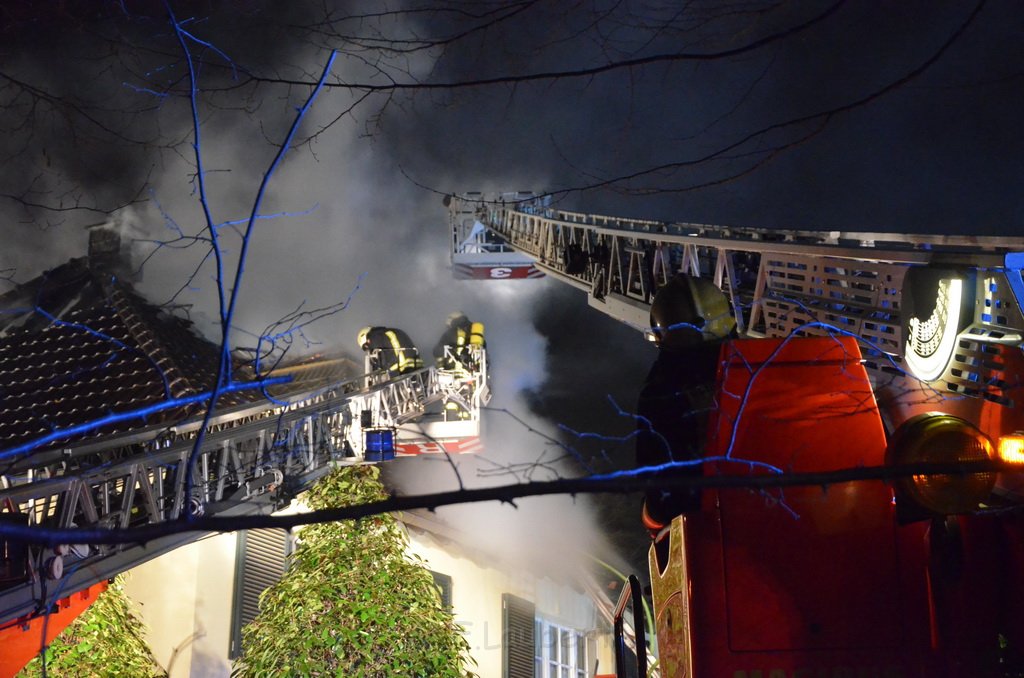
<point x="261" y="561"/>
<point x="556" y="651"/>
<point x="559" y="652"/>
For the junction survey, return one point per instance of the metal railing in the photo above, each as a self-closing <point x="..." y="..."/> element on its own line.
<point x="254" y="459"/>
<point x="631" y="592"/>
<point x="785" y="281"/>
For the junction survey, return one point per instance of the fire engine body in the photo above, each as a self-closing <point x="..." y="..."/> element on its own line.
<point x="857" y="350"/>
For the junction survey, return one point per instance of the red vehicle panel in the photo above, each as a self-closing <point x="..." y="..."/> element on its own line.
<point x="22" y="638"/>
<point x="824" y="581"/>
<point x="500" y="271"/>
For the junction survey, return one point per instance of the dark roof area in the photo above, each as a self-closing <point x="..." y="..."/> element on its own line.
<point x="315" y="373"/>
<point x="77" y="344"/>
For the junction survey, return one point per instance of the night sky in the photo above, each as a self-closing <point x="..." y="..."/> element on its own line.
<point x="901" y="117"/>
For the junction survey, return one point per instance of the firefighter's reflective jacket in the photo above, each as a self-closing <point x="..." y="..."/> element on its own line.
<point x="452" y="349"/>
<point x="390" y="349"/>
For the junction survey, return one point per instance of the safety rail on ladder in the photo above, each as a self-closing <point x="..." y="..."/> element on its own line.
<point x="477" y="253"/>
<point x="255" y="458"/>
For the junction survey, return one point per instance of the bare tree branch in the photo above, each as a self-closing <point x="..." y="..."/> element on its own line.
<point x="617" y="483"/>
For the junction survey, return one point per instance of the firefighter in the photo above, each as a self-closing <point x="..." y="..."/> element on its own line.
<point x="389" y="349"/>
<point x="690" y="319"/>
<point x="458" y="336"/>
<point x="454" y="411"/>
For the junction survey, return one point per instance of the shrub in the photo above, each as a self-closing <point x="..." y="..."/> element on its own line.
<point x="352" y="603"/>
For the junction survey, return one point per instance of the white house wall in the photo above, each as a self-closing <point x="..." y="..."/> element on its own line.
<point x="184" y="597"/>
<point x="476" y="602"/>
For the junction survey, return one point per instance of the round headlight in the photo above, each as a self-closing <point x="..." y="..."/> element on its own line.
<point x="945" y="439"/>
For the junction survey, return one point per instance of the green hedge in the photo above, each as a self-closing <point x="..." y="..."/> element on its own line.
<point x="106" y="641"/>
<point x="353" y="603"/>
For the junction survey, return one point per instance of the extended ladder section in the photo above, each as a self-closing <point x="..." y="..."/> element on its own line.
<point x="937" y="308"/>
<point x="254" y="458"/>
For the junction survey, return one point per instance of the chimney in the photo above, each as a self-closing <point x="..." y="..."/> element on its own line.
<point x="110" y="253"/>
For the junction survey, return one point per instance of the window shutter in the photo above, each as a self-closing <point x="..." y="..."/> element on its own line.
<point x="443" y="582"/>
<point x="517" y="616"/>
<point x="261" y="562"/>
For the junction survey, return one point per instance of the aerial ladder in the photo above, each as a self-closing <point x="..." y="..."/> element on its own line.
<point x="884" y="349"/>
<point x="255" y="457"/>
<point x="780" y="281"/>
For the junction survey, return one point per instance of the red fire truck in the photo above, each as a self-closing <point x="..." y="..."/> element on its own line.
<point x="858" y="354"/>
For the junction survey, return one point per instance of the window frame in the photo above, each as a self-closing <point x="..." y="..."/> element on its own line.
<point x="550" y="646"/>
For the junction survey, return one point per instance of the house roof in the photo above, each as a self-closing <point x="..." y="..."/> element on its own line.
<point x="79" y="343"/>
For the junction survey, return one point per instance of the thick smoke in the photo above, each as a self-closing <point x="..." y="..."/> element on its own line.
<point x="355" y="227"/>
<point x="940" y="153"/>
